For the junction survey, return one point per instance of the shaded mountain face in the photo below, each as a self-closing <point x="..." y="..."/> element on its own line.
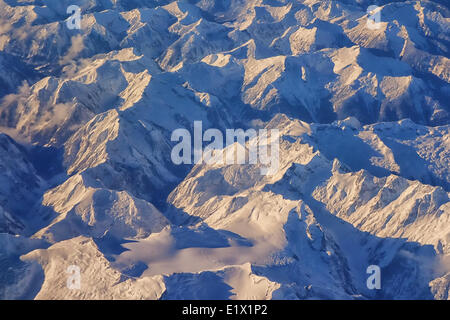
<point x="361" y="103"/>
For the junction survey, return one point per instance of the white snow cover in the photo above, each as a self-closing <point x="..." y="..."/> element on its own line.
<point x="86" y="177"/>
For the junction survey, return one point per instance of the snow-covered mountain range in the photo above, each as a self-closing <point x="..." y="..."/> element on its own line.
<point x="87" y="179"/>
